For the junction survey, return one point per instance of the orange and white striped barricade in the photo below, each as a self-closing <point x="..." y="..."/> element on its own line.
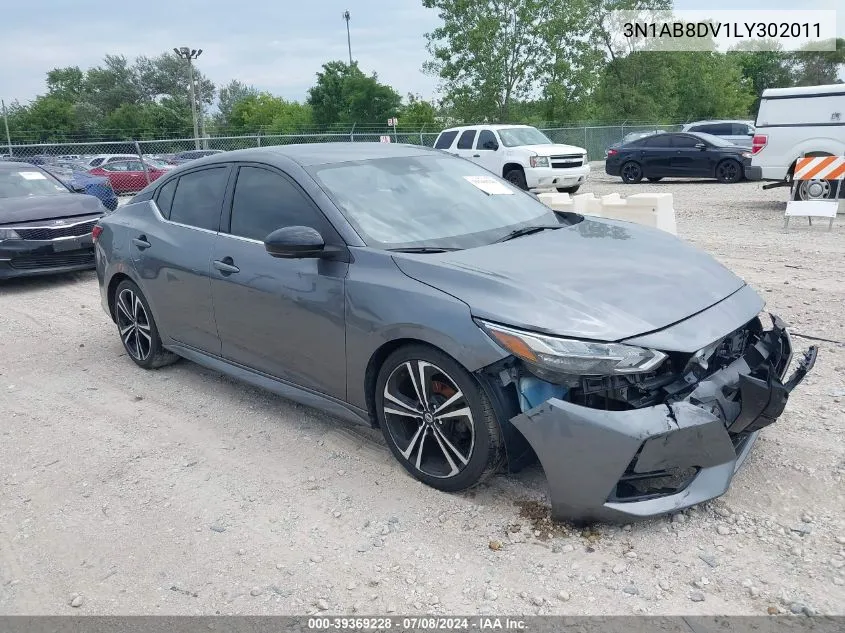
<point x="815" y="174"/>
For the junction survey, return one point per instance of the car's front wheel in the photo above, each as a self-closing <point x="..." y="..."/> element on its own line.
<point x="517" y="177"/>
<point x="632" y="172"/>
<point x="436" y="419"/>
<point x="137" y="328"/>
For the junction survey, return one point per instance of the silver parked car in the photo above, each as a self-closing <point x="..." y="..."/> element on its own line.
<point x="737" y="132"/>
<point x="413" y="290"/>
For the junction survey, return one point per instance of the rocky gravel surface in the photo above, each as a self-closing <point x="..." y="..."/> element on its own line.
<point x="180" y="491"/>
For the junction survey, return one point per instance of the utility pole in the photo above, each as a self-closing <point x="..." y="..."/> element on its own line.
<point x="346" y="17"/>
<point x="189" y="55"/>
<point x="6" y="122"/>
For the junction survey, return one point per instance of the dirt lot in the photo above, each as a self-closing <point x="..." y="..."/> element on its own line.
<point x="182" y="492"/>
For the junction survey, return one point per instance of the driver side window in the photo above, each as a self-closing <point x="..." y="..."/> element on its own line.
<point x="265" y="201"/>
<point x="487" y="141"/>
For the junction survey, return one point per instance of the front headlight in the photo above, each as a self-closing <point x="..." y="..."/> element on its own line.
<point x="8" y="234"/>
<point x="746" y="154"/>
<point x="569" y="356"/>
<point x="539" y="161"/>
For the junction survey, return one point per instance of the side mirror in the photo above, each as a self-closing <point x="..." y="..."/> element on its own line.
<point x="295" y="242"/>
<point x="701" y="146"/>
<point x="78" y="188"/>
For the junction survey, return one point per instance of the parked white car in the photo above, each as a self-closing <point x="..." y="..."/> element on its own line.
<point x="737" y="132"/>
<point x="791" y="122"/>
<point x="521" y="154"/>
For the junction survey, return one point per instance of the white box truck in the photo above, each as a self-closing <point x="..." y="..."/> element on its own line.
<point x="791" y="122"/>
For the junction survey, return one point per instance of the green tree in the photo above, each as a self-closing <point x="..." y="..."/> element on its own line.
<point x="417" y="112"/>
<point x="229" y="96"/>
<point x="344" y="94"/>
<point x="273" y="115"/>
<point x="817" y="68"/>
<point x="765" y="65"/>
<point x="66" y="83"/>
<point x="488" y="53"/>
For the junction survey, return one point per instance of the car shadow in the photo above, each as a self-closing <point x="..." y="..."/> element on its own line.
<point x="21" y="285"/>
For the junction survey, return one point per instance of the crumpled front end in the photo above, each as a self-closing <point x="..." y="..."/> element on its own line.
<point x="616" y="449"/>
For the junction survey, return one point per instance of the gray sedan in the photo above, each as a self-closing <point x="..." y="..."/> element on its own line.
<point x="414" y="291"/>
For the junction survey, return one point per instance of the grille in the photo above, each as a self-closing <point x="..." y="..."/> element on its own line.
<point x="51" y="233"/>
<point x="53" y="260"/>
<point x="563" y="161"/>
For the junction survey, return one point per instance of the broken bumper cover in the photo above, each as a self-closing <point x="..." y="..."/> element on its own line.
<point x="623" y="465"/>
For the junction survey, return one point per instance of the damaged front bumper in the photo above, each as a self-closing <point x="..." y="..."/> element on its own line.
<point x="622" y="465"/>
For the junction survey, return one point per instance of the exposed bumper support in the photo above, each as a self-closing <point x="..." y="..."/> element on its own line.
<point x="687" y="451"/>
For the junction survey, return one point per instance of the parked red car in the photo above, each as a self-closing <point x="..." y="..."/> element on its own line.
<point x="128" y="176"/>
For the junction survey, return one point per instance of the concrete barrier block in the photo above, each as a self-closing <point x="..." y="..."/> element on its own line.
<point x="579" y="202"/>
<point x="556" y="201"/>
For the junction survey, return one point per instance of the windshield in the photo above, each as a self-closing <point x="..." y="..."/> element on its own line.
<point x="428" y="201"/>
<point x="19" y="183"/>
<point x="714" y="140"/>
<point x="516" y="136"/>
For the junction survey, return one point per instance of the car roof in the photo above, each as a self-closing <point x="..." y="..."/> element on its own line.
<point x="486" y="126"/>
<point x="307" y="154"/>
<point x="804" y="90"/>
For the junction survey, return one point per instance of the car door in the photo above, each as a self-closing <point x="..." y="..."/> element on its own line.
<point x="135" y="175"/>
<point x="466" y="142"/>
<point x="654" y="153"/>
<point x="171" y="250"/>
<point x="487" y="152"/>
<point x="688" y="159"/>
<point x="117" y="174"/>
<point x="281" y="317"/>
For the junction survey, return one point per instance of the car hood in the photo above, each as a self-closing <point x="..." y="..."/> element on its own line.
<point x="599" y="279"/>
<point x="552" y="150"/>
<point x="32" y="208"/>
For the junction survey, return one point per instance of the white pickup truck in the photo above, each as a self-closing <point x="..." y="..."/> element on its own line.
<point x="791" y="122"/>
<point x="521" y="154"/>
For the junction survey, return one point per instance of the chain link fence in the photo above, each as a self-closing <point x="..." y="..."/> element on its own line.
<point x="128" y="165"/>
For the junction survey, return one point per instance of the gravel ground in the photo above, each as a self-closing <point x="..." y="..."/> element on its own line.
<point x="180" y="491"/>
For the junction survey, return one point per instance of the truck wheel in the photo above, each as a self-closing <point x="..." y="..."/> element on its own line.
<point x="813" y="190"/>
<point x="517" y="177"/>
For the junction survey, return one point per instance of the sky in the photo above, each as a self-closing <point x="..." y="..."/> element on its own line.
<point x="275" y="45"/>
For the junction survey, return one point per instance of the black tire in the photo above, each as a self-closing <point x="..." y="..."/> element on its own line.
<point x="569" y="189"/>
<point x="814" y="190"/>
<point x="729" y="171"/>
<point x="137" y="329"/>
<point x="517" y="177"/>
<point x="652" y="179"/>
<point x="631" y="172"/>
<point x="475" y="439"/>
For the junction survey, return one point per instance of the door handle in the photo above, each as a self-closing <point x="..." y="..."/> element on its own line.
<point x="476" y="155"/>
<point x="141" y="242"/>
<point x="226" y="266"/>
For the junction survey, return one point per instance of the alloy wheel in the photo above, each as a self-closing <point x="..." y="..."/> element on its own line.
<point x="429" y="419"/>
<point x="728" y="171"/>
<point x="134" y="325"/>
<point x="631" y="172"/>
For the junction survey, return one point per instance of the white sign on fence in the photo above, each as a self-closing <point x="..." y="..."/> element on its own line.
<point x="393" y="122"/>
<point x="384" y="139"/>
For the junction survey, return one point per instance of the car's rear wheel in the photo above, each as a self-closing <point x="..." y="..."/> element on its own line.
<point x="632" y="172"/>
<point x="436" y="419"/>
<point x="729" y="171"/>
<point x="517" y="177"/>
<point x="569" y="189"/>
<point x="137" y="328"/>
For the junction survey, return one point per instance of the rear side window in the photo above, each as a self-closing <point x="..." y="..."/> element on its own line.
<point x="682" y="140"/>
<point x="661" y="140"/>
<point x="741" y="129"/>
<point x="165" y="198"/>
<point x="199" y="198"/>
<point x="444" y="141"/>
<point x="716" y="129"/>
<point x="465" y="142"/>
<point x="96" y="162"/>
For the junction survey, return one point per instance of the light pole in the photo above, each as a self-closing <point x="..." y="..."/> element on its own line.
<point x="346" y="17"/>
<point x="189" y="55"/>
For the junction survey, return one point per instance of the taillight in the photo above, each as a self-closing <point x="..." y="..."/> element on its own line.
<point x="96" y="231"/>
<point x="612" y="152"/>
<point x="758" y="143"/>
